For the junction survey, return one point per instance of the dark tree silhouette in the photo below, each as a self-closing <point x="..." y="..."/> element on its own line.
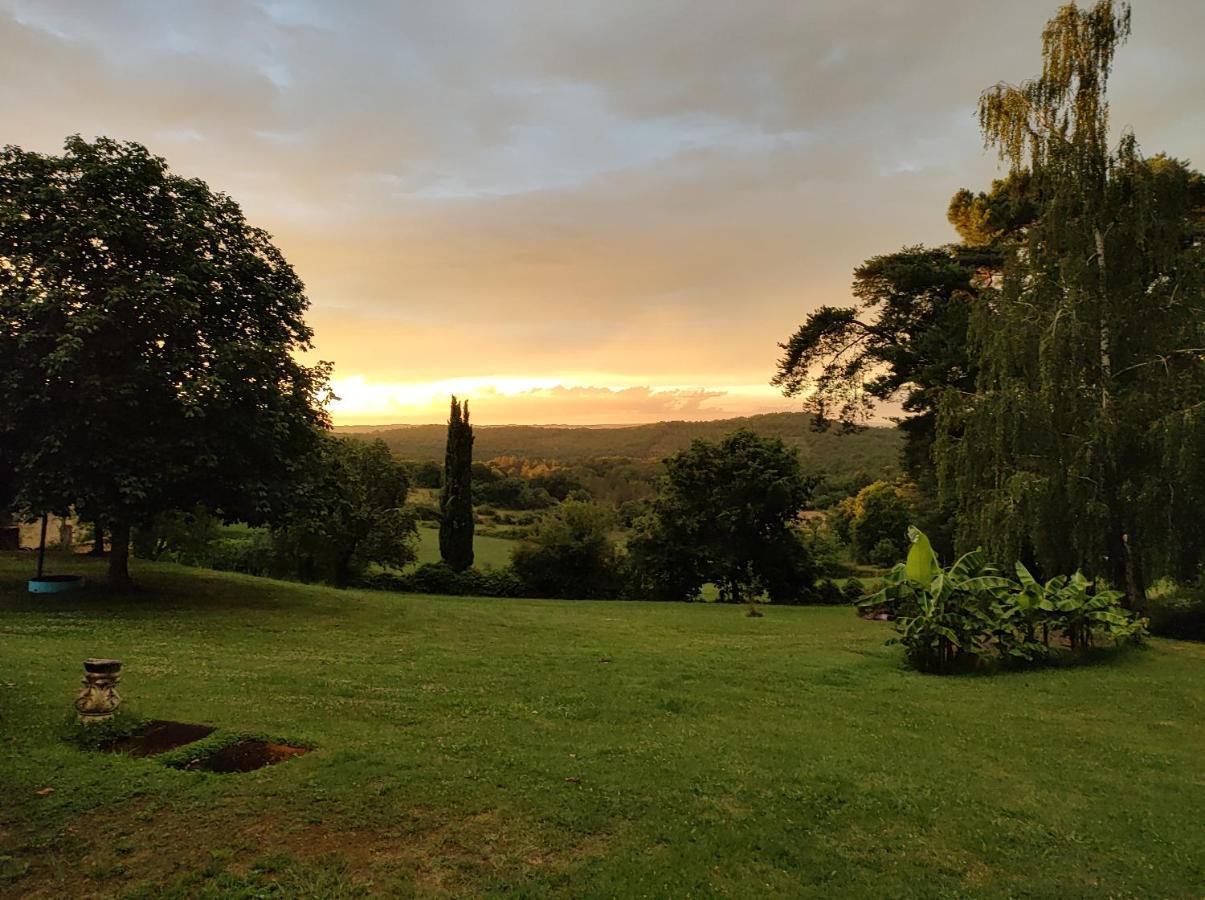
<point x="148" y="337"/>
<point x="456" y="501"/>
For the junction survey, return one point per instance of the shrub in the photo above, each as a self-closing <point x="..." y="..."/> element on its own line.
<point x="571" y="554"/>
<point x="425" y="512"/>
<point x="879" y="519"/>
<point x="953" y="619"/>
<point x="825" y="547"/>
<point x="252" y="554"/>
<point x="884" y="553"/>
<point x="1177" y="611"/>
<point x="439" y="578"/>
<point x="829" y="592"/>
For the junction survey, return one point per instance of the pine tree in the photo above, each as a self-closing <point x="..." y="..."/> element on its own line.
<point x="456" y="501"/>
<point x="1081" y="443"/>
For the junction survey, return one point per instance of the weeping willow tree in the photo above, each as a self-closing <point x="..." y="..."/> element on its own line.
<point x="1083" y="442"/>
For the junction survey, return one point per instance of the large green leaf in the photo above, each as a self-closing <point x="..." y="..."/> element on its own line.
<point x="1027" y="580"/>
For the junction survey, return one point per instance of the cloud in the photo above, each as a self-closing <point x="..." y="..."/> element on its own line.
<point x="659" y="191"/>
<point x="498" y="400"/>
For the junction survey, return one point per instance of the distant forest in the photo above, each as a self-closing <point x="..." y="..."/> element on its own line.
<point x="873" y="451"/>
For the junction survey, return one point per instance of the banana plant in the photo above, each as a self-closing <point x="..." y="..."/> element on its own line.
<point x="1068" y="605"/>
<point x="944" y="616"/>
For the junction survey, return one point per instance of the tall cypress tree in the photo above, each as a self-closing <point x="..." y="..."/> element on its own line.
<point x="456" y="501"/>
<point x="1080" y="446"/>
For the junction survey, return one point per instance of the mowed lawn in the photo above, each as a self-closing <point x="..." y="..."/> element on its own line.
<point x="488" y="552"/>
<point x="532" y="748"/>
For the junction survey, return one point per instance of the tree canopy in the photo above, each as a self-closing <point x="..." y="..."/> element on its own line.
<point x="726" y="514"/>
<point x="1080" y="444"/>
<point x="148" y="336"/>
<point x="1049" y="365"/>
<point x="346" y="509"/>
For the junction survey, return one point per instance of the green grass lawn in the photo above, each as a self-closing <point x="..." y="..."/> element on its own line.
<point x="531" y="748"/>
<point x="488" y="552"/>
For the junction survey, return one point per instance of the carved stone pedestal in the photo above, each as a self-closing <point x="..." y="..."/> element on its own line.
<point x="98" y="697"/>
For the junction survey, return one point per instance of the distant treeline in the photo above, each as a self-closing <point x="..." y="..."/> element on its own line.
<point x="874" y="451"/>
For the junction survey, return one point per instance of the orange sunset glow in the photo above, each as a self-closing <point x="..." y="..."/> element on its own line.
<point x="573" y="213"/>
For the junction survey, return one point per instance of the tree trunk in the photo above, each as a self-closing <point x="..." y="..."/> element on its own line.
<point x="1135" y="576"/>
<point x="119" y="555"/>
<point x="1106" y="337"/>
<point x="343" y="569"/>
<point x="98" y="540"/>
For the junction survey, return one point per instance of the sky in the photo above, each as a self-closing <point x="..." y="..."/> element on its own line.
<point x="571" y="212"/>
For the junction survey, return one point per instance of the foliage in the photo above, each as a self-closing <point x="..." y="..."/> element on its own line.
<point x="824" y="546"/>
<point x="832" y="593"/>
<point x="495" y="487"/>
<point x="558" y="482"/>
<point x="440" y="578"/>
<point x="1079" y="446"/>
<point x="904" y="341"/>
<point x="254" y="552"/>
<point x="906" y="335"/>
<point x="347" y="511"/>
<point x="456" y="501"/>
<point x="726" y="515"/>
<point x="1177" y="610"/>
<point x="1070" y="605"/>
<point x="878" y="523"/>
<point x="571" y="554"/>
<point x="181" y="536"/>
<point x="944" y="617"/>
<point x="150" y="340"/>
<point x="953" y="619"/>
<point x="424" y="473"/>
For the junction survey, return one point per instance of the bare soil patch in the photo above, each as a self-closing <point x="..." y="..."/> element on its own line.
<point x="246" y="756"/>
<point x="158" y="737"/>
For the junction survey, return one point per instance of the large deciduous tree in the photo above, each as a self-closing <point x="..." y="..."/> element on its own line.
<point x="456" y="501"/>
<point x="726" y="514"/>
<point x="1081" y="445"/>
<point x="147" y="343"/>
<point x="345" y="511"/>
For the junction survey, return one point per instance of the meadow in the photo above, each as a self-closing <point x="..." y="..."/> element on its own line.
<point x="489" y="552"/>
<point x="551" y="748"/>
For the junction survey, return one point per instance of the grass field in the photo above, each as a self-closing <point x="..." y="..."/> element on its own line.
<point x="488" y="552"/>
<point x="492" y="747"/>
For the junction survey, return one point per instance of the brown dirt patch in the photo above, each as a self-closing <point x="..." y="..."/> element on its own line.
<point x="246" y="756"/>
<point x="159" y="737"/>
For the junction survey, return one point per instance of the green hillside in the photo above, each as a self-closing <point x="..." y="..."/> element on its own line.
<point x="874" y="450"/>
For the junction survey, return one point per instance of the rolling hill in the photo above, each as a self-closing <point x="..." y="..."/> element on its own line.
<point x="874" y="451"/>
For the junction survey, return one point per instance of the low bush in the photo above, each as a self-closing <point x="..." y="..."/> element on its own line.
<point x="253" y="554"/>
<point x="439" y="578"/>
<point x="969" y="614"/>
<point x="829" y="592"/>
<point x="1177" y="611"/>
<point x="570" y="554"/>
<point x="425" y="512"/>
